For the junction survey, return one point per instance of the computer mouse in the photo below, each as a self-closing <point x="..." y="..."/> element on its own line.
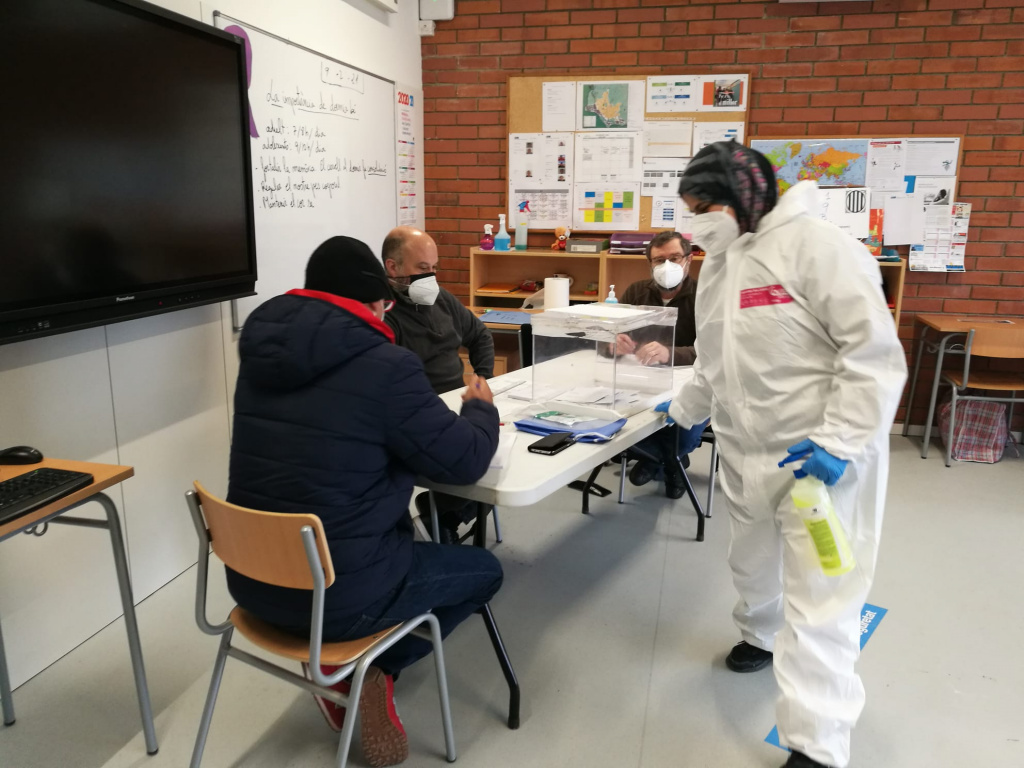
<point x="20" y="454"/>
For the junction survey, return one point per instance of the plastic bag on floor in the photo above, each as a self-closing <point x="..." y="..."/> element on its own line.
<point x="980" y="432"/>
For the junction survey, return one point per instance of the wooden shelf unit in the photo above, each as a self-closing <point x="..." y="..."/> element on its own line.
<point x="606" y="269"/>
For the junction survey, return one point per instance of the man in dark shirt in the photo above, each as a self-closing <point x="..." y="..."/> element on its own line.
<point x="670" y="286"/>
<point x="427" y="319"/>
<point x="433" y="324"/>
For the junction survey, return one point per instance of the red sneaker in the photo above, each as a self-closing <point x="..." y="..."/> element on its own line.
<point x="383" y="735"/>
<point x="333" y="714"/>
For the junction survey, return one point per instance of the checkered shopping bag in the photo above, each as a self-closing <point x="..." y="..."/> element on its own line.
<point x="980" y="432"/>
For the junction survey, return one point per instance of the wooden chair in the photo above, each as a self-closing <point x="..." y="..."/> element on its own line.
<point x="986" y="341"/>
<point x="290" y="550"/>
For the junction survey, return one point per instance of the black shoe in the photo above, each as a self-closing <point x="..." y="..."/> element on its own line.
<point x="449" y="533"/>
<point x="642" y="473"/>
<point x="675" y="487"/>
<point x="745" y="657"/>
<point x="800" y="760"/>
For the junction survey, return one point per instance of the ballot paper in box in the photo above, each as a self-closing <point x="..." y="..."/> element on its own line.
<point x="595" y="359"/>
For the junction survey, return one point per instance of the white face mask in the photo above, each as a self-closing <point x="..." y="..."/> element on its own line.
<point x="423" y="289"/>
<point x="715" y="231"/>
<point x="669" y="275"/>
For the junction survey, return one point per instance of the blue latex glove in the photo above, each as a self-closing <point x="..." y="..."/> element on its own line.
<point x="663" y="408"/>
<point x="819" y="462"/>
<point x="690" y="439"/>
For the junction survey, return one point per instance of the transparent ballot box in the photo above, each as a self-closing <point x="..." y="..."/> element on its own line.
<point x="585" y="361"/>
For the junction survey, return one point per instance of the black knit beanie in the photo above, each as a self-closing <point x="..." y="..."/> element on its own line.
<point x="347" y="267"/>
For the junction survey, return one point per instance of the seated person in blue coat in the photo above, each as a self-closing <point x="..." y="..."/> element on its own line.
<point x="333" y="419"/>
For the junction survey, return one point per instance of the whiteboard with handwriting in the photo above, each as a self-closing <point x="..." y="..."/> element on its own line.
<point x="323" y="155"/>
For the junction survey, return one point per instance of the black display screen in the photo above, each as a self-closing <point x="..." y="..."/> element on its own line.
<point x="125" y="154"/>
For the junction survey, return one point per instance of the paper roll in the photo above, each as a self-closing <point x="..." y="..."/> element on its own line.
<point x="556" y="292"/>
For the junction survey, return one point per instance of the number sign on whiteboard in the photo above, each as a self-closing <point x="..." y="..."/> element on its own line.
<point x="323" y="151"/>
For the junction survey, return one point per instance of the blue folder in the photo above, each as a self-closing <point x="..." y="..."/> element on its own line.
<point x="594" y="431"/>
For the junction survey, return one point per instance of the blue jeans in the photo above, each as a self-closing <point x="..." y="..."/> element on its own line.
<point x="453" y="582"/>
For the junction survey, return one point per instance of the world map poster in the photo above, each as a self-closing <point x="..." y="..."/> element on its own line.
<point x="830" y="162"/>
<point x="605" y="105"/>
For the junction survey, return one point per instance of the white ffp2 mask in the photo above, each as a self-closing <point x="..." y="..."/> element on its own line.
<point x="668" y="274"/>
<point x="423" y="289"/>
<point x="715" y="231"/>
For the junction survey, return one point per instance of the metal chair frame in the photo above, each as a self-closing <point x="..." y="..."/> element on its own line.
<point x="320" y="684"/>
<point x="956" y="395"/>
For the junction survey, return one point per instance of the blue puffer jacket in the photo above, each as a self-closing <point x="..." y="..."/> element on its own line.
<point x="333" y="419"/>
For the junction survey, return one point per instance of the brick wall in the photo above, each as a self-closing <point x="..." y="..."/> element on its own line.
<point x="884" y="68"/>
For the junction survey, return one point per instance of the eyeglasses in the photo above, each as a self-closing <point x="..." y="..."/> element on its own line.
<point x="676" y="259"/>
<point x="389" y="304"/>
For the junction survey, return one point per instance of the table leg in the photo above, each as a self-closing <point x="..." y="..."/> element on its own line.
<point x="935" y="393"/>
<point x="622" y="480"/>
<point x="6" y="700"/>
<point x="693" y="499"/>
<point x="913" y="381"/>
<point x="506" y="666"/>
<point x="131" y="625"/>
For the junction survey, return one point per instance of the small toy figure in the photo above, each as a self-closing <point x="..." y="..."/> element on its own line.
<point x="562" y="234"/>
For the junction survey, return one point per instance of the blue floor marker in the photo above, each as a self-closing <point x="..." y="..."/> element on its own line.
<point x="870" y="617"/>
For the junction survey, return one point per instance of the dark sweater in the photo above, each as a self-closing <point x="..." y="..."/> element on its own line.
<point x="436" y="333"/>
<point x="333" y="419"/>
<point x="647" y="293"/>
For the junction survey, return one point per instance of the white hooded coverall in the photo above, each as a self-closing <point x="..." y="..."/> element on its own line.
<point x="795" y="341"/>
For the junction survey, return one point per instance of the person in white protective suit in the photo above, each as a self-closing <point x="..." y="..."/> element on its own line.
<point x="797" y="352"/>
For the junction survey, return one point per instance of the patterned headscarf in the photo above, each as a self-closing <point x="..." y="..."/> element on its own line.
<point x="728" y="173"/>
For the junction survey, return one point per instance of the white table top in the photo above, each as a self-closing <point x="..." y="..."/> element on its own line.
<point x="529" y="477"/>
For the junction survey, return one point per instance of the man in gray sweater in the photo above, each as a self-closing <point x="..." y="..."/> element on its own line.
<point x="427" y="319"/>
<point x="434" y="324"/>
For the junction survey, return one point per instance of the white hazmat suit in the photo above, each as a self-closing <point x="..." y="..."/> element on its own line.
<point x="795" y="341"/>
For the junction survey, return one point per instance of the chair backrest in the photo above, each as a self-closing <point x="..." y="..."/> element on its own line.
<point x="1006" y="341"/>
<point x="266" y="546"/>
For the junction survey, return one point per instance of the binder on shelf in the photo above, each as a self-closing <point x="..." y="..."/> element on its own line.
<point x="498" y="288"/>
<point x="630" y="242"/>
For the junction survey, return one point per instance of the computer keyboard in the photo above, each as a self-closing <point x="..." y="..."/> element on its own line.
<point x="31" y="490"/>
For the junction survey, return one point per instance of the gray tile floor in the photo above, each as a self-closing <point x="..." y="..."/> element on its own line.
<point x="618" y="625"/>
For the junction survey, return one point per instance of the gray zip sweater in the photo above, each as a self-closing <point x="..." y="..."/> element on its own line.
<point x="436" y="333"/>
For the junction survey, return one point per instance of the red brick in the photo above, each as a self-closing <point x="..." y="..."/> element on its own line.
<point x="1011" y="79"/>
<point x="523" y="5"/>
<point x="547" y="46"/>
<point x="737" y="41"/>
<point x="840" y="68"/>
<point x="831" y="129"/>
<point x="1012" y="127"/>
<point x="927" y="50"/>
<point x="980" y="278"/>
<point x="887" y="97"/>
<point x="739" y="11"/>
<point x="523" y="33"/>
<point x="711" y="57"/>
<point x="990" y="16"/>
<point x="688" y="13"/>
<point x="940" y="127"/>
<point x="792" y="9"/>
<point x="1001" y="64"/>
<point x="478" y="35"/>
<point x="1009" y="142"/>
<point x="889" y="128"/>
<point x="787" y="70"/>
<point x="616" y="30"/>
<point x="613" y="59"/>
<point x="763" y="55"/>
<point x="639" y="44"/>
<point x="782" y="100"/>
<point x="918" y="81"/>
<point x="869" y="83"/>
<point x="501" y="20"/>
<point x="968" y="307"/>
<point x="792" y="39"/>
<point x="763" y="115"/>
<point x="953" y="33"/>
<point x="931" y="19"/>
<point x="662" y="59"/>
<point x="802" y="85"/>
<point x="588" y="17"/>
<point x="1015" y="308"/>
<point x="866" y="52"/>
<point x="973" y="81"/>
<point x="579" y="46"/>
<point x="862" y="113"/>
<point x="718" y="27"/>
<point x="944" y="291"/>
<point x="869" y="21"/>
<point x="932" y="66"/>
<point x="813" y="54"/>
<point x="836" y="99"/>
<point x="642" y="14"/>
<point x="1001" y="96"/>
<point x="983" y="48"/>
<point x="915" y="113"/>
<point x="1013" y="278"/>
<point x="1006" y="174"/>
<point x="808" y="114"/>
<point x="504" y="48"/>
<point x="550" y="19"/>
<point x="559" y="33"/>
<point x="568" y="60"/>
<point x="982" y="189"/>
<point x="908" y="35"/>
<point x="815" y="23"/>
<point x="844" y="38"/>
<point x="565" y="5"/>
<point x="763" y="25"/>
<point x="1011" y="111"/>
<point x="479" y="6"/>
<point x="944" y="97"/>
<point x="894" y="67"/>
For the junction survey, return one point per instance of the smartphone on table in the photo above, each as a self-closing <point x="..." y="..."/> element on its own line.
<point x="551" y="444"/>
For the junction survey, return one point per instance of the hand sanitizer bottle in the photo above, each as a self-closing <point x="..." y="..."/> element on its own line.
<point x="812" y="502"/>
<point x="611" y="296"/>
<point x="502" y="240"/>
<point x="487" y="241"/>
<point x="522" y="232"/>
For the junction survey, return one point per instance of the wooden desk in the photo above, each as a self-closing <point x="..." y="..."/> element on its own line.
<point x="950" y="329"/>
<point x="104" y="476"/>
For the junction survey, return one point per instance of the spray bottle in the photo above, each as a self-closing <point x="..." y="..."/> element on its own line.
<point x="522" y="231"/>
<point x="813" y="504"/>
<point x="487" y="241"/>
<point x="502" y="240"/>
